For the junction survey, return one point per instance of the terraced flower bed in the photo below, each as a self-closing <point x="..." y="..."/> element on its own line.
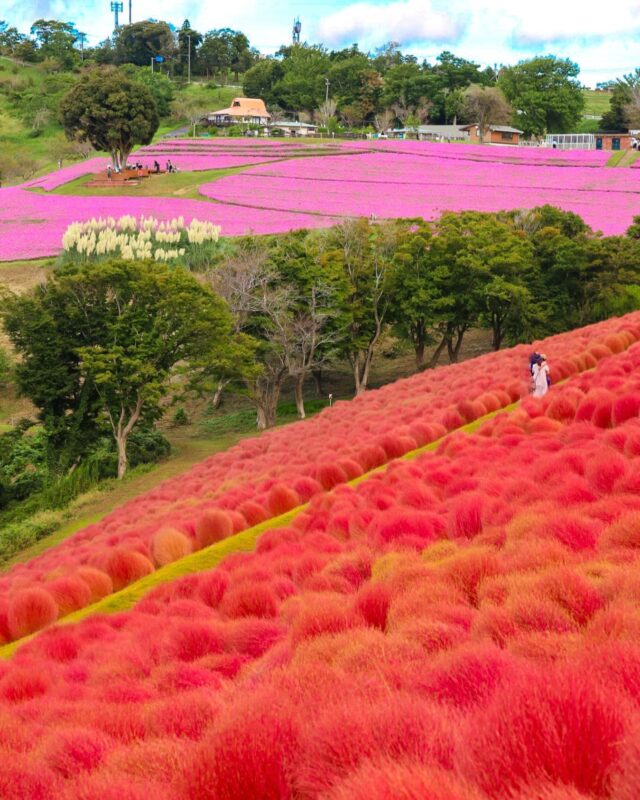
<point x="462" y="625"/>
<point x="271" y="474"/>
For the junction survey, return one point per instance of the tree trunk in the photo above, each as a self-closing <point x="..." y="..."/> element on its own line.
<point x="418" y="337"/>
<point x="317" y="377"/>
<point x="217" y="397"/>
<point x="453" y="348"/>
<point x="433" y="361"/>
<point x="300" y="395"/>
<point x="121" y="441"/>
<point x="266" y="400"/>
<point x="498" y="335"/>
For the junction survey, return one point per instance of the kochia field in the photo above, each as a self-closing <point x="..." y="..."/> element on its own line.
<point x="460" y="625"/>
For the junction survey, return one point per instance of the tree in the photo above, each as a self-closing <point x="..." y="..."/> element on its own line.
<point x="159" y="86"/>
<point x="226" y="49"/>
<point x="56" y="40"/>
<point x="261" y="80"/>
<point x="623" y="92"/>
<point x="486" y="106"/>
<point x="111" y="112"/>
<point x="414" y="291"/>
<point x="325" y="112"/>
<point x="364" y="255"/>
<point x="140" y="42"/>
<point x="189" y="108"/>
<point x="189" y="40"/>
<point x="545" y="93"/>
<point x="99" y="344"/>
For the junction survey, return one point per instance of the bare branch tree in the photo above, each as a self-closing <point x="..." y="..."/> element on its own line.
<point x="486" y="105"/>
<point x="326" y="112"/>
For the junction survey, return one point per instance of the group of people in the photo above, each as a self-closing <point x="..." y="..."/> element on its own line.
<point x="170" y="167"/>
<point x="540" y="378"/>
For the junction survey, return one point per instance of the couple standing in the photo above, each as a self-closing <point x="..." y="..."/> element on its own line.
<point x="540" y="380"/>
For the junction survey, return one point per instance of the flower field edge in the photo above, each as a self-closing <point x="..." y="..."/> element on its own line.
<point x="211" y="556"/>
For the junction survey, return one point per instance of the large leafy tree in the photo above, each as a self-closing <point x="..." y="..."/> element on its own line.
<point x="624" y="104"/>
<point x="364" y="255"/>
<point x="160" y="87"/>
<point x="111" y="112"/>
<point x="99" y="343"/>
<point x="56" y="40"/>
<point x="140" y="42"/>
<point x="546" y="94"/>
<point x="225" y="50"/>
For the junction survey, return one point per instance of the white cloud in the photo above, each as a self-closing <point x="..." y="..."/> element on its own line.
<point x="404" y="21"/>
<point x="558" y="21"/>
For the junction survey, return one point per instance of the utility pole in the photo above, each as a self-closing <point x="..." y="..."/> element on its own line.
<point x="189" y="59"/>
<point x="130" y="3"/>
<point x="116" y="7"/>
<point x="152" y="59"/>
<point x="327" y="83"/>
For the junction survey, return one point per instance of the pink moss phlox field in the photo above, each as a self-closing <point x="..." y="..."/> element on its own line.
<point x="32" y="224"/>
<point x="303" y="186"/>
<point x="461" y="626"/>
<point x="426" y="181"/>
<point x="265" y="476"/>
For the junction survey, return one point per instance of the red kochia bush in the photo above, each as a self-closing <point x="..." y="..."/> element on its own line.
<point x="126" y="566"/>
<point x="282" y="499"/>
<point x="248" y="753"/>
<point x="29" y="610"/>
<point x="99" y="583"/>
<point x="372" y="603"/>
<point x="169" y="545"/>
<point x="70" y="593"/>
<point x="330" y="475"/>
<point x="250" y="599"/>
<point x="213" y="526"/>
<point x="561" y="726"/>
<point x="388" y="779"/>
<point x="70" y="751"/>
<point x="465" y="515"/>
<point x="24" y="779"/>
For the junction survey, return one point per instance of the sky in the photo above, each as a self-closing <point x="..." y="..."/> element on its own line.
<point x="604" y="41"/>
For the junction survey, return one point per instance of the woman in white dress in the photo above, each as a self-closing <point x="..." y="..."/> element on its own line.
<point x="540" y="378"/>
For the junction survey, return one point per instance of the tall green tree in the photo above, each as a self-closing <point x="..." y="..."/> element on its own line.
<point x="365" y="256"/>
<point x="139" y="42"/>
<point x="99" y="344"/>
<point x="111" y="112"/>
<point x="546" y="94"/>
<point x="56" y="40"/>
<point x="623" y="93"/>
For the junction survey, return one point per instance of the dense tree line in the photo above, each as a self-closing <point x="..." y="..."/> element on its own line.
<point x="104" y="346"/>
<point x="347" y="87"/>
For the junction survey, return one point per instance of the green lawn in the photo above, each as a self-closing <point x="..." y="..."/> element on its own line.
<point x="596" y="103"/>
<point x="180" y="184"/>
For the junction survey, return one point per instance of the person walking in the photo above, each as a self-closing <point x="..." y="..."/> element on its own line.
<point x="541" y="379"/>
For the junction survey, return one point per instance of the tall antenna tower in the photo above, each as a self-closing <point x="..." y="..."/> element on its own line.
<point x="297" y="27"/>
<point x="117" y="8"/>
<point x="130" y="3"/>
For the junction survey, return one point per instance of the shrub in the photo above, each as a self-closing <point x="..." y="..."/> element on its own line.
<point x="70" y="593"/>
<point x="213" y="526"/>
<point x="30" y="610"/>
<point x="248" y="753"/>
<point x="561" y="726"/>
<point x="169" y="545"/>
<point x="282" y="499"/>
<point x="388" y="779"/>
<point x="126" y="566"/>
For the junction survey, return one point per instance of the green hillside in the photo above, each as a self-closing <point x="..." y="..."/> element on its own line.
<point x="32" y="141"/>
<point x="595" y="102"/>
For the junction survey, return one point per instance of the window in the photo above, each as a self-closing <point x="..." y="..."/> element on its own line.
<point x="506" y="137"/>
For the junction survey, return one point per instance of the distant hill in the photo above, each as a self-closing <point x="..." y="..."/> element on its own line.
<point x="32" y="141"/>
